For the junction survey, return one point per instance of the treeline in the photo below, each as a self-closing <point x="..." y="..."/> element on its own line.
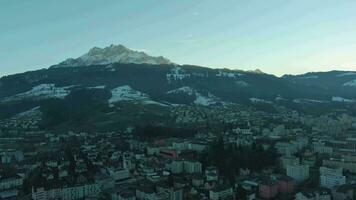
<point x="229" y="159"/>
<point x="151" y="132"/>
<point x="76" y="108"/>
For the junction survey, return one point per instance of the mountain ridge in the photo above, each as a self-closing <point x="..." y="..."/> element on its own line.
<point x="170" y="85"/>
<point x="112" y="54"/>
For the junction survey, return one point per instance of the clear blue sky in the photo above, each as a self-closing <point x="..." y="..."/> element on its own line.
<point x="276" y="36"/>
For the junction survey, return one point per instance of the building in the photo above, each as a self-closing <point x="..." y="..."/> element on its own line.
<point x="331" y="177"/>
<point x="342" y="163"/>
<point x="298" y="172"/>
<point x="119" y="174"/>
<point x="318" y="194"/>
<point x="321" y="148"/>
<point x="123" y="195"/>
<point x="8" y="156"/>
<point x="192" y="167"/>
<point x="221" y="192"/>
<point x="342" y="192"/>
<point x="144" y="193"/>
<point x="177" y="166"/>
<point x="10" y="182"/>
<point x="198" y="180"/>
<point x="197" y="146"/>
<point x="211" y="174"/>
<point x="289" y="160"/>
<point x="176" y="194"/>
<point x="285" y="184"/>
<point x="286" y="148"/>
<point x="169" y="153"/>
<point x="268" y="189"/>
<point x="67" y="193"/>
<point x="9" y="194"/>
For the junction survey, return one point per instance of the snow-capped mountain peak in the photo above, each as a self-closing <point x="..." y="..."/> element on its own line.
<point x="112" y="54"/>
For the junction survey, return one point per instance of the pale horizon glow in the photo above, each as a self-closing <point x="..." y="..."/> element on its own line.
<point x="276" y="36"/>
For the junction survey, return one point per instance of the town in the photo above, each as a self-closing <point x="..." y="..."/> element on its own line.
<point x="243" y="154"/>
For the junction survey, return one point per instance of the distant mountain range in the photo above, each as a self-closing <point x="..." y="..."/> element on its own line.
<point x="127" y="75"/>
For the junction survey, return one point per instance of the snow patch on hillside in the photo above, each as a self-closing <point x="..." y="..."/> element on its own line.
<point x="228" y="74"/>
<point x="242" y="83"/>
<point x="350" y="83"/>
<point x="126" y="93"/>
<point x="43" y="91"/>
<point x="257" y="100"/>
<point x="280" y="98"/>
<point x="97" y="87"/>
<point x="341" y="99"/>
<point x="205" y="100"/>
<point x="201" y="99"/>
<point x="347" y="74"/>
<point x="30" y="113"/>
<point x="309" y="101"/>
<point x="309" y="77"/>
<point x="186" y="90"/>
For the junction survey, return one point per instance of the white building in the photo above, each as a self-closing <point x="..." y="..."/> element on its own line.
<point x="331" y="177"/>
<point x="197" y="146"/>
<point x="319" y="147"/>
<point x="298" y="172"/>
<point x="67" y="193"/>
<point x="192" y="167"/>
<point x="180" y="145"/>
<point x="289" y="160"/>
<point x="286" y="148"/>
<point x="221" y="192"/>
<point x="119" y="174"/>
<point x="10" y="182"/>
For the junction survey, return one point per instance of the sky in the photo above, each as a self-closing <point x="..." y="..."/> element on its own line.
<point x="275" y="36"/>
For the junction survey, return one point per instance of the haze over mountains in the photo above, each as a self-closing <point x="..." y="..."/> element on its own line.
<point x="117" y="74"/>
